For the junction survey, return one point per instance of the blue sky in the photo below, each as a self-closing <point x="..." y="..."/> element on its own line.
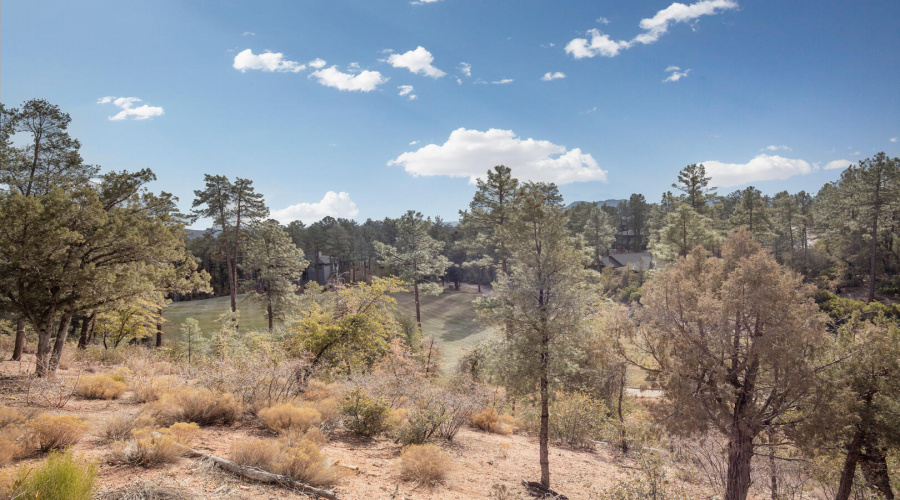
<point x="369" y="108"/>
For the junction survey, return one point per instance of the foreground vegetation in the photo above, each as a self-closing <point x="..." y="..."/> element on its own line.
<point x="771" y="381"/>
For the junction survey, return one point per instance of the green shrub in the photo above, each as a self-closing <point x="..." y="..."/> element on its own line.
<point x="578" y="419"/>
<point x="365" y="414"/>
<point x="60" y="477"/>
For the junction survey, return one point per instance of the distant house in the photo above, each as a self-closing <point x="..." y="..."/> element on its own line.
<point x="321" y="269"/>
<point x="638" y="261"/>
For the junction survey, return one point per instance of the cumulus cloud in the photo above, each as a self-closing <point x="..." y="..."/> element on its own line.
<point x="417" y="61"/>
<point x="267" y="61"/>
<point x="128" y="110"/>
<point x="654" y="27"/>
<point x="761" y="168"/>
<point x="466" y="69"/>
<point x="470" y="153"/>
<point x="675" y="74"/>
<point x="602" y="20"/>
<point x="407" y="90"/>
<point x="893" y="139"/>
<point x="365" y="81"/>
<point x="552" y="76"/>
<point x="503" y="81"/>
<point x="839" y="164"/>
<point x="776" y="148"/>
<point x="317" y="63"/>
<point x="333" y="204"/>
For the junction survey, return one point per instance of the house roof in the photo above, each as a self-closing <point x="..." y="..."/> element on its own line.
<point x="638" y="260"/>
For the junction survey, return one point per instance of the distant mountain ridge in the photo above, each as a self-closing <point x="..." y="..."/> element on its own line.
<point x="604" y="203"/>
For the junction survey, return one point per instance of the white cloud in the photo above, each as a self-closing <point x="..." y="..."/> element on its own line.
<point x="675" y="74"/>
<point x="267" y="61"/>
<point x="465" y="68"/>
<point x="333" y="204"/>
<point x="776" y="148"/>
<point x="552" y="76"/>
<point x="503" y="81"/>
<point x="417" y="61"/>
<point x="423" y="2"/>
<point x="126" y="104"/>
<point x="893" y="139"/>
<point x="654" y="27"/>
<point x="857" y="153"/>
<point x="761" y="168"/>
<point x="248" y="33"/>
<point x="317" y="63"/>
<point x="407" y="90"/>
<point x="413" y="143"/>
<point x="365" y="81"/>
<point x="839" y="164"/>
<point x="602" y="20"/>
<point x="470" y="153"/>
<point x="599" y="44"/>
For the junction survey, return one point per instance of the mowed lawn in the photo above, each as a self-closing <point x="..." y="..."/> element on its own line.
<point x="449" y="317"/>
<point x="207" y="312"/>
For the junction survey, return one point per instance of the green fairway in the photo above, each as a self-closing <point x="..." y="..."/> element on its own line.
<point x="207" y="311"/>
<point x="449" y="317"/>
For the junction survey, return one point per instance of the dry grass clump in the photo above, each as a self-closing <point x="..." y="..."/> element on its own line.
<point x="145" y="491"/>
<point x="259" y="453"/>
<point x="56" y="432"/>
<point x="284" y="417"/>
<point x="151" y="447"/>
<point x="489" y="420"/>
<point x="121" y="425"/>
<point x="301" y="460"/>
<point x="316" y="390"/>
<point x="100" y="386"/>
<point x="149" y="389"/>
<point x="328" y="409"/>
<point x="426" y="464"/>
<point x="196" y="404"/>
<point x="10" y="416"/>
<point x="15" y="439"/>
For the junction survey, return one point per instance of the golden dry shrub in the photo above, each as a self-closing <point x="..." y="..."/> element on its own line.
<point x="9" y="450"/>
<point x="196" y="404"/>
<point x="152" y="447"/>
<point x="489" y="420"/>
<point x="284" y="417"/>
<point x="55" y="432"/>
<point x="328" y="409"/>
<point x="259" y="453"/>
<point x="102" y="386"/>
<point x="313" y="434"/>
<point x="10" y="416"/>
<point x="426" y="464"/>
<point x="149" y="389"/>
<point x="118" y="426"/>
<point x="304" y="462"/>
<point x="317" y="390"/>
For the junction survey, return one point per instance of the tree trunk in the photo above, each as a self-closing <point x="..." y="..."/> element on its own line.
<point x="159" y="328"/>
<point x="83" y="336"/>
<point x="740" y="452"/>
<point x="60" y="344"/>
<point x="545" y="411"/>
<point x="876" y="209"/>
<point x="42" y="354"/>
<point x="269" y="315"/>
<point x="875" y="470"/>
<point x="20" y="340"/>
<point x="849" y="471"/>
<point x="418" y="314"/>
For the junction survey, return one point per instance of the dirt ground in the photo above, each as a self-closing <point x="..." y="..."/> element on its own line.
<point x="479" y="460"/>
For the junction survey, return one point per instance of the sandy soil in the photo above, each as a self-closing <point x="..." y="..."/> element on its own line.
<point x="479" y="460"/>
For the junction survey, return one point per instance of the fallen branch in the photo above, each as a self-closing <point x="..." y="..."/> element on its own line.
<point x="538" y="490"/>
<point x="262" y="476"/>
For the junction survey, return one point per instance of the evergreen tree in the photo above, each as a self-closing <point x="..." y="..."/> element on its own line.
<point x="276" y="263"/>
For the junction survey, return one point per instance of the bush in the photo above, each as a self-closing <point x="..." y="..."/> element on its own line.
<point x="60" y="477"/>
<point x="196" y="404"/>
<point x="9" y="450"/>
<point x="366" y="415"/>
<point x="425" y="464"/>
<point x="118" y="427"/>
<point x="100" y="387"/>
<point x="259" y="453"/>
<point x="10" y="416"/>
<point x="317" y="390"/>
<point x="57" y="432"/>
<point x="150" y="448"/>
<point x="327" y="408"/>
<point x="149" y="389"/>
<point x="304" y="462"/>
<point x="146" y="490"/>
<point x="578" y="419"/>
<point x="489" y="420"/>
<point x="283" y="417"/>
